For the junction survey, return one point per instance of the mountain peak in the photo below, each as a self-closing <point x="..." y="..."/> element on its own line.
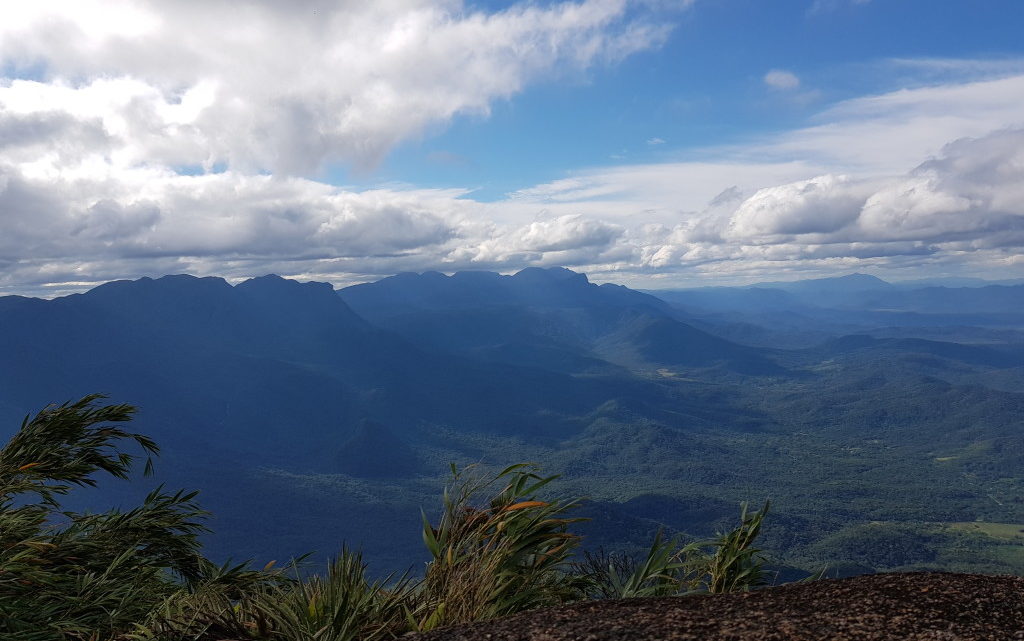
<point x="855" y="282"/>
<point x="171" y="285"/>
<point x="272" y="283"/>
<point x="858" y="277"/>
<point x="554" y="287"/>
<point x="551" y="274"/>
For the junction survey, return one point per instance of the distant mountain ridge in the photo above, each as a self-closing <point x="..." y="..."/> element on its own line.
<point x="804" y="313"/>
<point x="313" y="416"/>
<point x="268" y="381"/>
<point x="536" y="287"/>
<point x="854" y="291"/>
<point x="552" y="315"/>
<point x="273" y="372"/>
<point x="855" y="282"/>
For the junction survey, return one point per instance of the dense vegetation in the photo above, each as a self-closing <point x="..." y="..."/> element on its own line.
<point x="889" y="422"/>
<point x="140" y="574"/>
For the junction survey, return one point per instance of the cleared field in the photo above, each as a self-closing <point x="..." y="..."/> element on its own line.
<point x="1004" y="531"/>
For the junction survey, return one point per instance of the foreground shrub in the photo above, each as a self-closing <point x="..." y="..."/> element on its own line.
<point x="737" y="566"/>
<point x="67" y="575"/>
<point x="496" y="557"/>
<point x="341" y="605"/>
<point x="224" y="603"/>
<point x="138" y="575"/>
<point x="728" y="563"/>
<point x="619" y="576"/>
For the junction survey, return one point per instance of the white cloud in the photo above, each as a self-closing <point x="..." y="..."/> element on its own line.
<point x="153" y="213"/>
<point x="889" y="133"/>
<point x="285" y="86"/>
<point x="115" y="105"/>
<point x="93" y="151"/>
<point x="655" y="141"/>
<point x="931" y="177"/>
<point x="923" y="71"/>
<point x="781" y="79"/>
<point x="973" y="191"/>
<point x="820" y="205"/>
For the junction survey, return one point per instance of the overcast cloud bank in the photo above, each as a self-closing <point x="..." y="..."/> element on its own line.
<point x="141" y="138"/>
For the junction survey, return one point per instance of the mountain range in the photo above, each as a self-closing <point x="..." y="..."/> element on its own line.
<point x="309" y="416"/>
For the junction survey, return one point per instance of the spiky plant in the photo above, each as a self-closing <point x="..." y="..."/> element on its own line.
<point x="736" y="565"/>
<point x="139" y="575"/>
<point x="663" y="571"/>
<point x="223" y="602"/>
<point x="599" y="571"/>
<point x="68" y="576"/>
<point x="341" y="605"/>
<point x="499" y="556"/>
<point x="728" y="563"/>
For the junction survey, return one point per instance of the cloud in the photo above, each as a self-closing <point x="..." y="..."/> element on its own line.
<point x="892" y="132"/>
<point x="781" y="79"/>
<point x="927" y="179"/>
<point x="726" y="196"/>
<point x="820" y="205"/>
<point x="155" y="213"/>
<point x="917" y="72"/>
<point x="655" y="141"/>
<point x="162" y="166"/>
<point x="564" y="240"/>
<point x="287" y="86"/>
<point x="150" y="221"/>
<point x="965" y="206"/>
<point x="138" y="137"/>
<point x="972" y="192"/>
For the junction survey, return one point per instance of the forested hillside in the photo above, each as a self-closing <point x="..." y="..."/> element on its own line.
<point x="308" y="417"/>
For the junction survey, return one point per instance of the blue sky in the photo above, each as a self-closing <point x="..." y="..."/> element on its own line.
<point x="650" y="142"/>
<point x="705" y="87"/>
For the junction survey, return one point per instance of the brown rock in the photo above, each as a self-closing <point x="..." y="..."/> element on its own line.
<point x="879" y="607"/>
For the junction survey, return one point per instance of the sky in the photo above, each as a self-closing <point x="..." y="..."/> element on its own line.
<point x="654" y="143"/>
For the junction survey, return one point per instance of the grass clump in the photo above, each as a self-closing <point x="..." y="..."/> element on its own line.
<point x="736" y="565"/>
<point x="339" y="605"/>
<point x="728" y="563"/>
<point x="504" y="555"/>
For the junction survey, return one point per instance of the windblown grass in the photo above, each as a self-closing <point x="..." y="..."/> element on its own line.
<point x="500" y="546"/>
<point x="504" y="555"/>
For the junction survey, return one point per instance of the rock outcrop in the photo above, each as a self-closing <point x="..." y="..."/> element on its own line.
<point x="880" y="607"/>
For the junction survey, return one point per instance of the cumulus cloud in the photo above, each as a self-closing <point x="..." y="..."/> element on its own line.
<point x="157" y="213"/>
<point x="973" y="191"/>
<point x="953" y="197"/>
<point x="967" y="200"/>
<point x="138" y="136"/>
<point x="819" y="205"/>
<point x="564" y="240"/>
<point x="285" y="86"/>
<point x="143" y="138"/>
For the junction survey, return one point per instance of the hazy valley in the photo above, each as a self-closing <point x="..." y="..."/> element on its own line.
<point x="884" y="421"/>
